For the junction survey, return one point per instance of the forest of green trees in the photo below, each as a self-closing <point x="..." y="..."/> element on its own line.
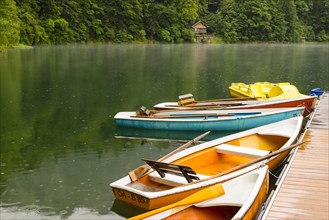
<point x="37" y="22"/>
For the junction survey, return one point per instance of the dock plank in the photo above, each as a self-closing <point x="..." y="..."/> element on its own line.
<point x="303" y="192"/>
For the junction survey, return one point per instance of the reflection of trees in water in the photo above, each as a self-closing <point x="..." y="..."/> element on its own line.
<point x="144" y="134"/>
<point x="63" y="182"/>
<point x="57" y="107"/>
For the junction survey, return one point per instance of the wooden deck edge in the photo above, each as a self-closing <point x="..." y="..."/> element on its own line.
<point x="269" y="203"/>
<point x="279" y="184"/>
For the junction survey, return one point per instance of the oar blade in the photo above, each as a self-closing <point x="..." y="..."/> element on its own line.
<point x="201" y="195"/>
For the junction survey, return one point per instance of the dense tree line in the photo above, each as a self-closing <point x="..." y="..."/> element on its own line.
<point x="34" y="22"/>
<point x="269" y="20"/>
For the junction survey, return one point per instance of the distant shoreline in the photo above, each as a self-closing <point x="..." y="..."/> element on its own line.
<point x="18" y="46"/>
<point x="23" y="46"/>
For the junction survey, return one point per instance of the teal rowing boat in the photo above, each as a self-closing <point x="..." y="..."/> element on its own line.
<point x="207" y="120"/>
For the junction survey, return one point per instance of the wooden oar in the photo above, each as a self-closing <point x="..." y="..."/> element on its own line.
<point x="182" y="116"/>
<point x="199" y="107"/>
<point x="205" y="106"/>
<point x="228" y="99"/>
<point x="189" y="107"/>
<point x="257" y="160"/>
<point x="202" y="195"/>
<point x="142" y="170"/>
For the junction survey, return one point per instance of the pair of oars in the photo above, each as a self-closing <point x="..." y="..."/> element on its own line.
<point x="204" y="105"/>
<point x="142" y="170"/>
<point x="198" y="107"/>
<point x="184" y="116"/>
<point x="207" y="104"/>
<point x="227" y="99"/>
<point x="157" y="113"/>
<point x="214" y="190"/>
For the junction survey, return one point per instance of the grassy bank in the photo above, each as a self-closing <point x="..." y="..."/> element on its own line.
<point x="16" y="46"/>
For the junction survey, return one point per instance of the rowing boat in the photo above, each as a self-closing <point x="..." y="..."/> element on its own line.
<point x="308" y="102"/>
<point x="206" y="120"/>
<point x="209" y="163"/>
<point x="265" y="90"/>
<point x="242" y="199"/>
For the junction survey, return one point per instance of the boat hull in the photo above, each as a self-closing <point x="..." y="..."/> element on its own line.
<point x="254" y="209"/>
<point x="307" y="102"/>
<point x="236" y="123"/>
<point x="147" y="203"/>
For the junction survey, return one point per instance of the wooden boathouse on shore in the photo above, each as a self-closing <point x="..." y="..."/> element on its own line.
<point x="302" y="190"/>
<point x="200" y="31"/>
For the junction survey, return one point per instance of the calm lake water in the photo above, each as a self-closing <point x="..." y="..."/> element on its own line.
<point x="59" y="146"/>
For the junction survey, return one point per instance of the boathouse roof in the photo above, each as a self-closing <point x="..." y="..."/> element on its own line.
<point x="199" y="24"/>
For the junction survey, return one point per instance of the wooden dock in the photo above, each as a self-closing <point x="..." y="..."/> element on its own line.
<point x="302" y="190"/>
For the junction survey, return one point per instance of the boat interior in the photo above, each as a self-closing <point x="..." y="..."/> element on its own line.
<point x="208" y="162"/>
<point x="240" y="192"/>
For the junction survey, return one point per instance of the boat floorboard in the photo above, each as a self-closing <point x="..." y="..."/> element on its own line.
<point x="303" y="191"/>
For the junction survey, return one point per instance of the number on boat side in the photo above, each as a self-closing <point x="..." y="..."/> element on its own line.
<point x="132" y="196"/>
<point x="121" y="193"/>
<point x="137" y="198"/>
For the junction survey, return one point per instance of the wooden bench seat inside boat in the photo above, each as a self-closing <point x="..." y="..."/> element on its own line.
<point x="172" y="174"/>
<point x="241" y="151"/>
<point x="170" y="179"/>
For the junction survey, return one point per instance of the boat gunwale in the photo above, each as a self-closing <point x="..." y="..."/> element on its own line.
<point x="263" y="112"/>
<point x="180" y="189"/>
<point x="244" y="104"/>
<point x="262" y="177"/>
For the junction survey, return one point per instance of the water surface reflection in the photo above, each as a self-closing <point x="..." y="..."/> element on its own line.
<point x="59" y="150"/>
